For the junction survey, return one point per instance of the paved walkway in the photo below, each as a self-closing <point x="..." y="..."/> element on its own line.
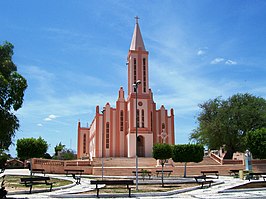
<point x="70" y="191"/>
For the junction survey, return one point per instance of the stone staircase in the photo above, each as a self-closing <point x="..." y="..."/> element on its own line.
<point x="124" y="162"/>
<point x="125" y="166"/>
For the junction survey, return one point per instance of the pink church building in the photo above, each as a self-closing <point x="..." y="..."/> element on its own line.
<point x="112" y="132"/>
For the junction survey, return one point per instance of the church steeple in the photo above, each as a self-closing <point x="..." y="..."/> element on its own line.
<point x="137" y="41"/>
<point x="138" y="63"/>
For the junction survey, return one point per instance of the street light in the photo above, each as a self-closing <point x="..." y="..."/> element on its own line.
<point x="135" y="85"/>
<point x="102" y="140"/>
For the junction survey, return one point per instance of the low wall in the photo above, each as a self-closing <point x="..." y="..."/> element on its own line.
<point x="58" y="166"/>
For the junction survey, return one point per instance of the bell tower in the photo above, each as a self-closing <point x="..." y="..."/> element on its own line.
<point x="137" y="61"/>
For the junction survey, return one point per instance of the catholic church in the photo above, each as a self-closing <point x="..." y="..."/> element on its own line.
<point x="112" y="133"/>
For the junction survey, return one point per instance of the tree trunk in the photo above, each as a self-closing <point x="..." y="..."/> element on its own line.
<point x="162" y="174"/>
<point x="185" y="170"/>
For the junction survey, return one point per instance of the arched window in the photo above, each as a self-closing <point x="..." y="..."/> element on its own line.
<point x="142" y="118"/>
<point x="121" y="121"/>
<point x="151" y="120"/>
<point x="135" y="70"/>
<point x="84" y="143"/>
<point x="144" y="75"/>
<point x="137" y="117"/>
<point x="107" y="136"/>
<point x="163" y="126"/>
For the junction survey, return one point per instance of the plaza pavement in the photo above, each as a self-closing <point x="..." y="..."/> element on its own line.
<point x="216" y="191"/>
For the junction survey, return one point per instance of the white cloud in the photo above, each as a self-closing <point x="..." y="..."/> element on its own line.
<point x="47" y="119"/>
<point x="217" y="60"/>
<point x="230" y="62"/>
<point x="201" y="52"/>
<point x="40" y="125"/>
<point x="50" y="117"/>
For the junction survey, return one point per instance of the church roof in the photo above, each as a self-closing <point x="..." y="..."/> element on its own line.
<point x="137" y="40"/>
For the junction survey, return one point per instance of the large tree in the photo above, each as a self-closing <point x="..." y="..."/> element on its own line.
<point x="12" y="87"/>
<point x="31" y="148"/>
<point x="256" y="143"/>
<point x="226" y="122"/>
<point x="188" y="153"/>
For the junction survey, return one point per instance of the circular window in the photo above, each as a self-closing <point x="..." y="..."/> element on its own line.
<point x="140" y="103"/>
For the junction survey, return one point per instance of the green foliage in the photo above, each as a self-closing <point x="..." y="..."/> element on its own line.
<point x="31" y="148"/>
<point x="59" y="147"/>
<point x="188" y="153"/>
<point x="256" y="143"/>
<point x="3" y="158"/>
<point x="12" y="87"/>
<point x="67" y="154"/>
<point x="162" y="151"/>
<point x="226" y="122"/>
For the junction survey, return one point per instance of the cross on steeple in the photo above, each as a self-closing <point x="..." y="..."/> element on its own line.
<point x="137" y="19"/>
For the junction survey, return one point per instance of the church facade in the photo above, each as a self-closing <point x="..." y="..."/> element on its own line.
<point x="112" y="132"/>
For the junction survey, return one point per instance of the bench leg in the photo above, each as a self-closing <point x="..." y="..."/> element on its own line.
<point x="97" y="192"/>
<point x="30" y="188"/>
<point x="129" y="191"/>
<point x="51" y="187"/>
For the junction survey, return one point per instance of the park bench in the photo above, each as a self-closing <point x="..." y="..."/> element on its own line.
<point x="168" y="172"/>
<point x="143" y="173"/>
<point x="113" y="183"/>
<point x="74" y="173"/>
<point x="38" y="171"/>
<point x="30" y="181"/>
<point x="234" y="171"/>
<point x="252" y="174"/>
<point x="202" y="180"/>
<point x="211" y="172"/>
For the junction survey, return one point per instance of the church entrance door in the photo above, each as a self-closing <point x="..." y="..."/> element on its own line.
<point x="141" y="146"/>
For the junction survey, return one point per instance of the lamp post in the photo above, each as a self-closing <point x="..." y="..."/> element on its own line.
<point x="135" y="85"/>
<point x="102" y="140"/>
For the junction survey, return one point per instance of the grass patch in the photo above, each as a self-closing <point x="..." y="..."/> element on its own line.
<point x="143" y="188"/>
<point x="12" y="183"/>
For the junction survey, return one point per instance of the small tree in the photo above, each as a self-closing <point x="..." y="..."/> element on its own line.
<point x="162" y="152"/>
<point x="188" y="153"/>
<point x="256" y="143"/>
<point x="31" y="148"/>
<point x="58" y="148"/>
<point x="68" y="154"/>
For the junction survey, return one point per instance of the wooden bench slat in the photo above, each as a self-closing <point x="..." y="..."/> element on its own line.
<point x="250" y="175"/>
<point x="143" y="172"/>
<point x="75" y="172"/>
<point x="211" y="172"/>
<point x="164" y="171"/>
<point x="29" y="181"/>
<point x="203" y="180"/>
<point x="113" y="182"/>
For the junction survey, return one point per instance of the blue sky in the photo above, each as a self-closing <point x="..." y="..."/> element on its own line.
<point x="73" y="55"/>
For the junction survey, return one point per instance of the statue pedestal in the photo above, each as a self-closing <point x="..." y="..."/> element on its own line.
<point x="168" y="163"/>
